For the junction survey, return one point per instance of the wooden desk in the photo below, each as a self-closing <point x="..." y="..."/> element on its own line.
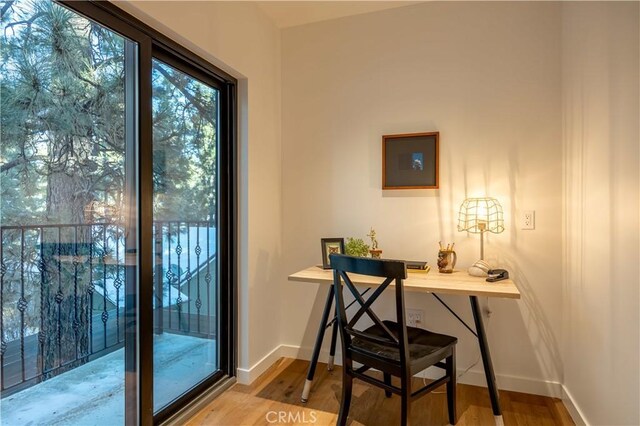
<point x="457" y="283"/>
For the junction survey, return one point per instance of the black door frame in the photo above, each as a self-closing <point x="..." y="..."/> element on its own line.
<point x="139" y="334"/>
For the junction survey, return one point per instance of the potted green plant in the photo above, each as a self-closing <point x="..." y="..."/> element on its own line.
<point x="356" y="247"/>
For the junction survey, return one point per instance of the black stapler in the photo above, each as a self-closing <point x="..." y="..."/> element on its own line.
<point x="497" y="275"/>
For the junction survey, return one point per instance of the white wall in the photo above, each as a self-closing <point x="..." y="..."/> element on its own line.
<point x="601" y="145"/>
<point x="487" y="77"/>
<point x="239" y="38"/>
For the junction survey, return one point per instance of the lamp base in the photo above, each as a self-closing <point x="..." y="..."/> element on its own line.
<point x="479" y="269"/>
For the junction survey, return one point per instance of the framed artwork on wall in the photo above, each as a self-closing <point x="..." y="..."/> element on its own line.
<point x="410" y="161"/>
<point x="329" y="246"/>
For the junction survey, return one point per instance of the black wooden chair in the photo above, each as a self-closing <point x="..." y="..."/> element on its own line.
<point x="388" y="346"/>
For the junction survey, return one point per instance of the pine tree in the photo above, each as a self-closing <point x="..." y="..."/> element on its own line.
<point x="62" y="151"/>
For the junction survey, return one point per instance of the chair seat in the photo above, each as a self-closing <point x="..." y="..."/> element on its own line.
<point x="424" y="346"/>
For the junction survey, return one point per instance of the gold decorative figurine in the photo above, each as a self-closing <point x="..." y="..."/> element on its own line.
<point x="375" y="252"/>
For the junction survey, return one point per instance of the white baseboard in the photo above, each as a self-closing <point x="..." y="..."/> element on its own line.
<point x="505" y="382"/>
<point x="574" y="410"/>
<point x="246" y="376"/>
<point x="472" y="377"/>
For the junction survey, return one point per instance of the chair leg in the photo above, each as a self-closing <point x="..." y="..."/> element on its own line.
<point x="451" y="387"/>
<point x="405" y="409"/>
<point x="387" y="380"/>
<point x="347" y="385"/>
<point x="405" y="403"/>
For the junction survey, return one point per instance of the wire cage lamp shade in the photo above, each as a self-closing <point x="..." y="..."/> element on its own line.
<point x="478" y="215"/>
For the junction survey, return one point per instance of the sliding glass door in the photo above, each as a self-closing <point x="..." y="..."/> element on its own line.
<point x="185" y="146"/>
<point x="117" y="218"/>
<point x="67" y="229"/>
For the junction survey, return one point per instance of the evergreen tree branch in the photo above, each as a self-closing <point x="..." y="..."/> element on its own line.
<point x="13" y="163"/>
<point x="192" y="99"/>
<point x="27" y="22"/>
<point x="5" y="8"/>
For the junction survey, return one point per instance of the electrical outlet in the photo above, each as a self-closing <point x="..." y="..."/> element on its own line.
<point x="529" y="219"/>
<point x="414" y="317"/>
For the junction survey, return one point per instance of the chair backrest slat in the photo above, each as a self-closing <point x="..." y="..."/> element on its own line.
<point x="373" y="267"/>
<point x="365" y="306"/>
<point x="369" y="302"/>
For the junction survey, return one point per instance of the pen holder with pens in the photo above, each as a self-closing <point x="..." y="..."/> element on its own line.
<point x="446" y="260"/>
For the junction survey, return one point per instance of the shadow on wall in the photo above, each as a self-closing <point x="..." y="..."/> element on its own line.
<point x="537" y="320"/>
<point x="540" y="331"/>
<point x="311" y="330"/>
<point x="441" y="213"/>
<point x="541" y="334"/>
<point x="269" y="320"/>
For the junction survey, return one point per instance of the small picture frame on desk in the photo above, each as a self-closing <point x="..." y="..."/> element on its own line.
<point x="330" y="246"/>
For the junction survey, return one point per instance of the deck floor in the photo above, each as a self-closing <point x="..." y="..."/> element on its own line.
<point x="93" y="394"/>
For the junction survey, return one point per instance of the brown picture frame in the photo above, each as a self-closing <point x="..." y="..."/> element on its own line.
<point x="411" y="161"/>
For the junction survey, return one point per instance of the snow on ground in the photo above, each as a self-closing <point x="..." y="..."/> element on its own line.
<point x="202" y="237"/>
<point x="93" y="394"/>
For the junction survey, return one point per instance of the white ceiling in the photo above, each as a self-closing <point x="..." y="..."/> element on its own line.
<point x="291" y="13"/>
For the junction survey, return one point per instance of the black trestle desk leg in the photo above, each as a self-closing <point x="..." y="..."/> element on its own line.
<point x="486" y="360"/>
<point x="334" y="338"/>
<point x="318" y="345"/>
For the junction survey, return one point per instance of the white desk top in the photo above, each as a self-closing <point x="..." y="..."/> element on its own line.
<point x="459" y="282"/>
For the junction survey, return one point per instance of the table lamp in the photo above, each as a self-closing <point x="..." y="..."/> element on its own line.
<point x="479" y="215"/>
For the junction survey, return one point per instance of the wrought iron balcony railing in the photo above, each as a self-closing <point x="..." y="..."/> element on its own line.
<point x="62" y="293"/>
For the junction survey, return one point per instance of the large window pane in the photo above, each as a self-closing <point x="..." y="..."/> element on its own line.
<point x="185" y="138"/>
<point x="67" y="181"/>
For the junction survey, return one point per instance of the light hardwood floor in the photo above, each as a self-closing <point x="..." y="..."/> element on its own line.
<point x="276" y="396"/>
